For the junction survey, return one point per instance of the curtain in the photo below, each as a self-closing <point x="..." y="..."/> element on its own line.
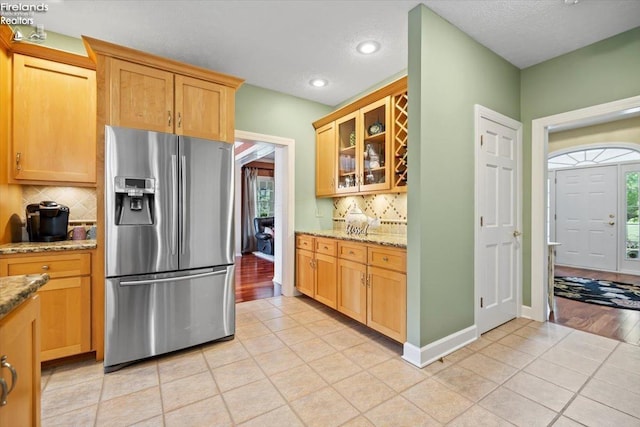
<point x="249" y="183"/>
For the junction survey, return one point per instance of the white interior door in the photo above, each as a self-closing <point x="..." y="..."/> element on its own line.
<point x="586" y="216"/>
<point x="498" y="252"/>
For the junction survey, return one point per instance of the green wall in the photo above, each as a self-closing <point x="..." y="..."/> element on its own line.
<point x="602" y="72"/>
<point x="273" y="113"/>
<point x="448" y="73"/>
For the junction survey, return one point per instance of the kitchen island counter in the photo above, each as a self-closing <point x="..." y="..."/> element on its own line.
<point x="16" y="289"/>
<point x="394" y="240"/>
<point x="39" y="247"/>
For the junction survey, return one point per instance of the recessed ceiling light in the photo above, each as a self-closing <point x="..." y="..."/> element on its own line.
<point x="571" y="2"/>
<point x="368" y="47"/>
<point x="318" y="82"/>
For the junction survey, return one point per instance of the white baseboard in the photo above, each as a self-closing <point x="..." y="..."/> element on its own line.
<point x="526" y="312"/>
<point x="421" y="357"/>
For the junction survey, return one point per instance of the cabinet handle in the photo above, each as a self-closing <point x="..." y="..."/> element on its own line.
<point x="169" y="117"/>
<point x="362" y="278"/>
<point x="3" y="392"/>
<point x="333" y="182"/>
<point x="18" y="158"/>
<point x="326" y="247"/>
<point x="385" y="259"/>
<point x="45" y="267"/>
<point x="179" y="119"/>
<point x="369" y="281"/>
<point x="14" y="379"/>
<point x="351" y="253"/>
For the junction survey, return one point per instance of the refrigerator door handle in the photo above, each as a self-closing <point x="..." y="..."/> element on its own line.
<point x="174" y="196"/>
<point x="183" y="181"/>
<point x="172" y="279"/>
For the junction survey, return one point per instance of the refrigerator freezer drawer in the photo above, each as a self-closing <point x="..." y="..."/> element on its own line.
<point x="155" y="314"/>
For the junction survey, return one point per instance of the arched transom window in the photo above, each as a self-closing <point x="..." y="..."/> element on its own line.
<point x="593" y="156"/>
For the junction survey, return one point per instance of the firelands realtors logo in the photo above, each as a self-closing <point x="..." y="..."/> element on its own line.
<point x="20" y="13"/>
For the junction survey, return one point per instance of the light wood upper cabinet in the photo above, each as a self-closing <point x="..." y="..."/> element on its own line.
<point x="20" y="340"/>
<point x="326" y="160"/>
<point x="53" y="122"/>
<point x="141" y="97"/>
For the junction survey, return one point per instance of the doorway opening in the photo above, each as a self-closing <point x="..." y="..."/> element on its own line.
<point x="270" y="274"/>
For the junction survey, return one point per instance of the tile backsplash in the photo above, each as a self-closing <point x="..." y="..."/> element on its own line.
<point x="81" y="201"/>
<point x="390" y="208"/>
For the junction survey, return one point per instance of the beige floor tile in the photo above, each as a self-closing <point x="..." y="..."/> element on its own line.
<point x="281" y="417"/>
<point x="439" y="365"/>
<point x="609" y="373"/>
<point x="312" y="349"/>
<point x="151" y="422"/>
<point x="297" y="382"/>
<point x="556" y="374"/>
<point x="539" y="390"/>
<point x="392" y="346"/>
<point x="397" y="374"/>
<point x="334" y="367"/>
<point x="477" y="416"/>
<point x="79" y="417"/>
<point x="251" y="400"/>
<point x="614" y="396"/>
<point x="626" y="357"/>
<point x="237" y="374"/>
<point x="210" y="412"/>
<point x="66" y="399"/>
<point x="45" y="376"/>
<point x="399" y="412"/>
<point x="508" y="355"/>
<point x="478" y="344"/>
<point x="75" y="373"/>
<point x="225" y="352"/>
<point x="181" y="365"/>
<point x="281" y="323"/>
<point x="593" y="414"/>
<point x="571" y="360"/>
<point x="368" y="354"/>
<point x="324" y="408"/>
<point x="529" y="346"/>
<point x="459" y="355"/>
<point x="326" y="326"/>
<point x="437" y="400"/>
<point x="252" y="306"/>
<point x="308" y="316"/>
<point x="592" y="340"/>
<point x="130" y="379"/>
<point x="290" y="309"/>
<point x="263" y="344"/>
<point x="566" y="422"/>
<point x="494" y="335"/>
<point x="187" y="390"/>
<point x="245" y="319"/>
<point x="360" y="421"/>
<point x="344" y="339"/>
<point x="488" y="368"/>
<point x="517" y="409"/>
<point x="543" y="332"/>
<point x="278" y="361"/>
<point x="576" y="343"/>
<point x="270" y="313"/>
<point x="130" y="408"/>
<point x="295" y="335"/>
<point x="364" y="391"/>
<point x="251" y="330"/>
<point x="466" y="382"/>
<point x="510" y="326"/>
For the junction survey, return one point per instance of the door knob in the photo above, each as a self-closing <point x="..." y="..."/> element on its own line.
<point x="516" y="233"/>
<point x="612" y="223"/>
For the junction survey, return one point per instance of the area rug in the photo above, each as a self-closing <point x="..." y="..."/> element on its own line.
<point x="602" y="292"/>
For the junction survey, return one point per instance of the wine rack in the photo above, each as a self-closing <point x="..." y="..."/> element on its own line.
<point x="400" y="140"/>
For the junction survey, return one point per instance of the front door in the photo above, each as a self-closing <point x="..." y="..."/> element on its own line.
<point x="586" y="217"/>
<point x="498" y="249"/>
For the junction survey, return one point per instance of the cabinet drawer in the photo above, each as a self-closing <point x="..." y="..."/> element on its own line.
<point x="56" y="266"/>
<point x="326" y="246"/>
<point x="392" y="259"/>
<point x="304" y="241"/>
<point x="352" y="251"/>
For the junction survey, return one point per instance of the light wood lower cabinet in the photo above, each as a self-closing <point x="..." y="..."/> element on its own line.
<point x="20" y="348"/>
<point x="65" y="308"/>
<point x="365" y="282"/>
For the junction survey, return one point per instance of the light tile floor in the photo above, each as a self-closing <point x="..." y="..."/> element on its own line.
<point x="295" y="362"/>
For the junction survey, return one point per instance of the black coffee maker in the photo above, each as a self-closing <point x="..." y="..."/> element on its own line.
<point x="47" y="221"/>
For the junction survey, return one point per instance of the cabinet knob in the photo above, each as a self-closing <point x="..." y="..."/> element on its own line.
<point x="326" y="247"/>
<point x="14" y="380"/>
<point x="351" y="253"/>
<point x="45" y="267"/>
<point x="385" y="259"/>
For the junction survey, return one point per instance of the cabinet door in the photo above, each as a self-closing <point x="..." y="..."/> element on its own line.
<point x="20" y="338"/>
<point x="204" y="109"/>
<point x="66" y="317"/>
<point x="326" y="160"/>
<point x="352" y="290"/>
<point x="305" y="274"/>
<point x="326" y="289"/>
<point x="54" y="121"/>
<point x="376" y="162"/>
<point x="387" y="303"/>
<point x="349" y="153"/>
<point x="141" y="97"/>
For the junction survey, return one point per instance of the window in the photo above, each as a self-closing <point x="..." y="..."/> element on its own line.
<point x="265" y="195"/>
<point x="593" y="156"/>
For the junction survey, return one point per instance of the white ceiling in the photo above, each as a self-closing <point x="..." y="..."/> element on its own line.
<point x="282" y="45"/>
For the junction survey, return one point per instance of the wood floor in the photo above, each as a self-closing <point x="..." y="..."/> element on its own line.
<point x="616" y="323"/>
<point x="254" y="278"/>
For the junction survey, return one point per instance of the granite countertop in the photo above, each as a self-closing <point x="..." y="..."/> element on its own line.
<point x="395" y="240"/>
<point x="35" y="247"/>
<point x="16" y="289"/>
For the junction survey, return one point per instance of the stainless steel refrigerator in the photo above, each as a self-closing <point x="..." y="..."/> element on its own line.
<point x="168" y="243"/>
